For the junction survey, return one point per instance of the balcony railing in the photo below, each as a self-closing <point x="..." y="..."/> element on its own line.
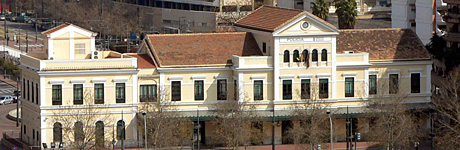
<point x="148" y="98"/>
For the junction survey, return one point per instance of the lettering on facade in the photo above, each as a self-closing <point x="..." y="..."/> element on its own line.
<point x="295" y="39"/>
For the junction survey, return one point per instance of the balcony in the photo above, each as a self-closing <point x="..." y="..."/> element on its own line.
<point x="252" y="62"/>
<point x="147" y="98"/>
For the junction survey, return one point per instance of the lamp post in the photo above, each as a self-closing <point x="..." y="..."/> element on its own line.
<point x="145" y="130"/>
<point x="328" y="112"/>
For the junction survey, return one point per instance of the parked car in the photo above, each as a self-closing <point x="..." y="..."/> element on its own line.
<point x="23" y="19"/>
<point x="6" y="100"/>
<point x="2" y="17"/>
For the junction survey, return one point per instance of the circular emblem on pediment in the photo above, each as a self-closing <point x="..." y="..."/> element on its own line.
<point x="305" y="25"/>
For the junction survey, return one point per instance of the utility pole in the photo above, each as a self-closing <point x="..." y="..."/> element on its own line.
<point x="273" y="130"/>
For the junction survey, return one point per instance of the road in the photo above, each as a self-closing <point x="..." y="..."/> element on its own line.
<point x="5" y="123"/>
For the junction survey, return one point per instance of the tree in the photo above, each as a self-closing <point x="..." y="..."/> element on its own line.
<point x="347" y="12"/>
<point x="392" y="122"/>
<point x="80" y="129"/>
<point x="437" y="46"/>
<point x="320" y="8"/>
<point x="234" y="121"/>
<point x="446" y="101"/>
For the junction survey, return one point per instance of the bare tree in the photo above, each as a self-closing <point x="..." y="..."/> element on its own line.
<point x="446" y="101"/>
<point x="79" y="124"/>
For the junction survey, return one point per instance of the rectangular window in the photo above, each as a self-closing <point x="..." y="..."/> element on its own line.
<point x="176" y="91"/>
<point x="25" y="129"/>
<point x="372" y="84"/>
<point x="258" y="89"/>
<point x="79" y="48"/>
<point x="57" y="94"/>
<point x="77" y="94"/>
<point x="99" y="93"/>
<point x="221" y="89"/>
<point x="148" y="93"/>
<point x="28" y="90"/>
<point x="37" y="96"/>
<point x="199" y="94"/>
<point x="349" y="87"/>
<point x="120" y="92"/>
<point x="33" y="134"/>
<point x="264" y="47"/>
<point x="23" y="87"/>
<point x="305" y="88"/>
<point x="287" y="89"/>
<point x="415" y="82"/>
<point x="235" y="90"/>
<point x="393" y="85"/>
<point x="323" y="88"/>
<point x="32" y="88"/>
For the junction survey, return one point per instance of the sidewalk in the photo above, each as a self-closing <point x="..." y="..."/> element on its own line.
<point x="8" y="81"/>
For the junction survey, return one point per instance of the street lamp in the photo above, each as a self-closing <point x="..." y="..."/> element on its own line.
<point x="328" y="112"/>
<point x="145" y="130"/>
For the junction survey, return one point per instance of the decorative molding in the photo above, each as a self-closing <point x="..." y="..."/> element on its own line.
<point x="305" y="76"/>
<point x="176" y="78"/>
<point x="416" y="70"/>
<point x="197" y="77"/>
<point x="287" y="76"/>
<point x="221" y="76"/>
<point x="98" y="80"/>
<point x="323" y="75"/>
<point x="349" y="74"/>
<point x="77" y="81"/>
<point x="394" y="70"/>
<point x="56" y="81"/>
<point x="373" y="72"/>
<point x="257" y="77"/>
<point x="120" y="79"/>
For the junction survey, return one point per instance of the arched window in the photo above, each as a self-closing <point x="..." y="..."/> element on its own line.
<point x="57" y="132"/>
<point x="78" y="132"/>
<point x="286" y="56"/>
<point x="296" y="56"/>
<point x="305" y="56"/>
<point x="314" y="55"/>
<point x="324" y="55"/>
<point x="99" y="134"/>
<point x="121" y="130"/>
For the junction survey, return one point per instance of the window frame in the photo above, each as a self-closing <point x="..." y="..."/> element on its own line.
<point x="196" y="94"/>
<point x="123" y="130"/>
<point x="96" y="137"/>
<point x="306" y="57"/>
<point x="314" y="55"/>
<point x="57" y="137"/>
<point x="296" y="56"/>
<point x="393" y="89"/>
<point x="376" y="83"/>
<point x="79" y="49"/>
<point x="412" y="90"/>
<point x="286" y="56"/>
<point x="180" y="90"/>
<point x="347" y="93"/>
<point x="147" y="97"/>
<point x="219" y="92"/>
<point x="73" y="92"/>
<point x="320" y="89"/>
<point x="264" y="47"/>
<point x="304" y="95"/>
<point x="32" y="91"/>
<point x="324" y="57"/>
<point x="58" y="100"/>
<point x="37" y="98"/>
<point x="288" y="93"/>
<point x="261" y="95"/>
<point x="78" y="138"/>
<point x="117" y="99"/>
<point x="99" y="101"/>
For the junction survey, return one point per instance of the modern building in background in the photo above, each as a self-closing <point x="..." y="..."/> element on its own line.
<point x="363" y="6"/>
<point x="452" y="19"/>
<point x="276" y="54"/>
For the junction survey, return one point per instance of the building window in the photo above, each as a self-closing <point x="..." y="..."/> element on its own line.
<point x="38" y="136"/>
<point x="372" y="84"/>
<point x="324" y="55"/>
<point x="349" y="87"/>
<point x="28" y="91"/>
<point x="23" y="87"/>
<point x="78" y="132"/>
<point x="305" y="56"/>
<point x="323" y="88"/>
<point x="314" y="55"/>
<point x="176" y="91"/>
<point x="77" y="94"/>
<point x="221" y="89"/>
<point x="235" y="90"/>
<point x="33" y="134"/>
<point x="80" y="48"/>
<point x="37" y="95"/>
<point x="415" y="82"/>
<point x="25" y="129"/>
<point x="286" y="56"/>
<point x="57" y="94"/>
<point x="148" y="93"/>
<point x="305" y="88"/>
<point x="121" y="130"/>
<point x="120" y="92"/>
<point x="99" y="93"/>
<point x="199" y="94"/>
<point x="32" y="91"/>
<point x="393" y="84"/>
<point x="287" y="89"/>
<point x="264" y="47"/>
<point x="57" y="132"/>
<point x="258" y="90"/>
<point x="99" y="134"/>
<point x="296" y="57"/>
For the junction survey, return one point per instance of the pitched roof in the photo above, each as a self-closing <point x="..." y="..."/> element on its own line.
<point x="201" y="48"/>
<point x="269" y="18"/>
<point x="59" y="27"/>
<point x="143" y="61"/>
<point x="389" y="43"/>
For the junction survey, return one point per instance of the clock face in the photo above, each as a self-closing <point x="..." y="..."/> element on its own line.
<point x="305" y="25"/>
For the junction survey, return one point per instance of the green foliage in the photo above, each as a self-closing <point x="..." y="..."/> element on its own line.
<point x="10" y="67"/>
<point x="320" y="8"/>
<point x="346" y="13"/>
<point x="437" y="47"/>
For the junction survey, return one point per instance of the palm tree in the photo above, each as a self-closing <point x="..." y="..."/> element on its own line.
<point x="346" y="13"/>
<point x="320" y="8"/>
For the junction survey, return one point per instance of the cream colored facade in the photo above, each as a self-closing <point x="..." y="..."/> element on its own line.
<point x="59" y="65"/>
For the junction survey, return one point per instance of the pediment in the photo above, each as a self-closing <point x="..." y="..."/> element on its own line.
<point x="307" y="24"/>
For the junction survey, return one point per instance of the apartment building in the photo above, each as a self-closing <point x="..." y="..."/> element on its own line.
<point x="363" y="6"/>
<point x="452" y="19"/>
<point x="275" y="53"/>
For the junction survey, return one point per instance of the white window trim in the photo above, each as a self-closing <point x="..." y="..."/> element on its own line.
<point x="287" y="77"/>
<point x="305" y="76"/>
<point x="329" y="92"/>
<point x="94" y="90"/>
<point x="410" y="76"/>
<point x="199" y="77"/>
<point x="170" y="87"/>
<point x="263" y="89"/>
<point x="292" y="89"/>
<point x="176" y="78"/>
<point x="344" y="85"/>
<point x="119" y="80"/>
<point x="376" y="82"/>
<point x="83" y="94"/>
<point x="56" y="81"/>
<point x="77" y="81"/>
<point x="217" y="83"/>
<point x="258" y="77"/>
<point x="349" y="74"/>
<point x="62" y="95"/>
<point x="399" y="81"/>
<point x="115" y="90"/>
<point x="204" y="83"/>
<point x="98" y="80"/>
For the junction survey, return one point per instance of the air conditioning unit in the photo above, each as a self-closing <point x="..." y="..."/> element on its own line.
<point x="95" y="55"/>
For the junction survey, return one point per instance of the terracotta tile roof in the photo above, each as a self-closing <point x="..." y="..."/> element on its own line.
<point x="202" y="48"/>
<point x="143" y="61"/>
<point x="55" y="28"/>
<point x="389" y="43"/>
<point x="269" y="18"/>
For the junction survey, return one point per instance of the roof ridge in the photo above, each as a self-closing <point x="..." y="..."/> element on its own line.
<point x="205" y="33"/>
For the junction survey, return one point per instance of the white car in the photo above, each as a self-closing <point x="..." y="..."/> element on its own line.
<point x="2" y="17"/>
<point x="6" y="100"/>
